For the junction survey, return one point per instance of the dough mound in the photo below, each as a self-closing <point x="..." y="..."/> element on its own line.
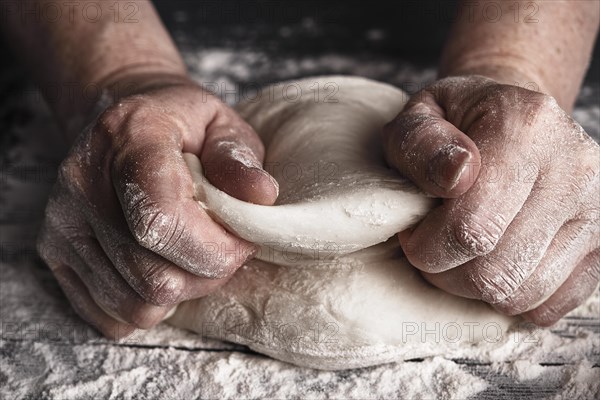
<point x="330" y="288"/>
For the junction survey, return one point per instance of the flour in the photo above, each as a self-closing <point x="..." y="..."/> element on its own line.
<point x="234" y="376"/>
<point x="87" y="372"/>
<point x="437" y="377"/>
<point x="243" y="155"/>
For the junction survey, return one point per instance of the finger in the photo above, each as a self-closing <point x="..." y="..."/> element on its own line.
<point x="109" y="290"/>
<point x="572" y="242"/>
<point x="232" y="157"/>
<point x="434" y="154"/>
<point x="71" y="242"/>
<point x="576" y="289"/>
<point x="58" y="255"/>
<point x="105" y="285"/>
<point x="473" y="224"/>
<point x="155" y="190"/>
<point x="463" y="229"/>
<point x="495" y="276"/>
<point x="84" y="305"/>
<point x="155" y="279"/>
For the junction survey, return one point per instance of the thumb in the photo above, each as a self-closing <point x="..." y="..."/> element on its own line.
<point x="430" y="151"/>
<point x="232" y="156"/>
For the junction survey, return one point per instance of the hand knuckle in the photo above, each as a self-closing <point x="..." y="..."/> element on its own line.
<point x="529" y="103"/>
<point x="49" y="254"/>
<point x="516" y="303"/>
<point x="223" y="258"/>
<point x="124" y="121"/>
<point x="510" y="309"/>
<point x="49" y="251"/>
<point x="484" y="286"/>
<point x="477" y="233"/>
<point x="546" y="315"/>
<point x="501" y="97"/>
<point x="141" y="316"/>
<point x="155" y="229"/>
<point x="592" y="274"/>
<point x="541" y="102"/>
<point x="66" y="170"/>
<point x="414" y="127"/>
<point x="110" y="121"/>
<point x="540" y="110"/>
<point x="493" y="281"/>
<point x="161" y="287"/>
<point x="587" y="172"/>
<point x="43" y="248"/>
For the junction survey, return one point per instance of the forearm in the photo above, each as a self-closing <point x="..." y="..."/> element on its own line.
<point x="88" y="52"/>
<point x="543" y="44"/>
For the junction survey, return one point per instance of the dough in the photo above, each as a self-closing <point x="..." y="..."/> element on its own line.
<point x="330" y="288"/>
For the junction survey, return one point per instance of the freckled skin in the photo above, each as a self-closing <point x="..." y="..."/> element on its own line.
<point x="127" y="242"/>
<point x="534" y="251"/>
<point x="123" y="234"/>
<point x="524" y="239"/>
<point x="124" y="215"/>
<point x="518" y="226"/>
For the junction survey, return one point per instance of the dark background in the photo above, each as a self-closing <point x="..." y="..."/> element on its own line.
<point x="414" y="30"/>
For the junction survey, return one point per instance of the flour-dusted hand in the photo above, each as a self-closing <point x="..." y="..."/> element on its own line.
<point x="123" y="234"/>
<point x="519" y="223"/>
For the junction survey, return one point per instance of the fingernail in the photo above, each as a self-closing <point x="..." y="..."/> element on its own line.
<point x="448" y="165"/>
<point x="240" y="153"/>
<point x="274" y="182"/>
<point x="255" y="174"/>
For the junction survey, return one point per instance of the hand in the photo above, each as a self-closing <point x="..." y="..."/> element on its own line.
<point x="122" y="233"/>
<point x="518" y="226"/>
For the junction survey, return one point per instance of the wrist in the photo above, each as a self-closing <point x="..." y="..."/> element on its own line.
<point x="119" y="83"/>
<point x="522" y="75"/>
<point x="101" y="62"/>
